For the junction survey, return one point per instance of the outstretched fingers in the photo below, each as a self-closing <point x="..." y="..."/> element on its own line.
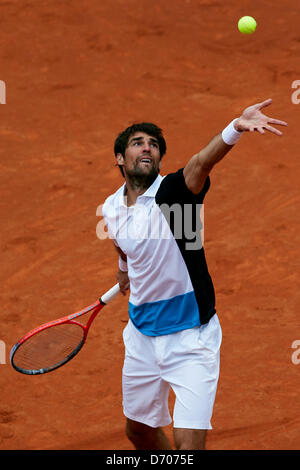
<point x="276" y="121"/>
<point x="273" y="129"/>
<point x="265" y="103"/>
<point x="261" y="129"/>
<point x="253" y="119"/>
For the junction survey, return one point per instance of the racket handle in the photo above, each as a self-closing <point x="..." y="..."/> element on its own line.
<point x="110" y="294"/>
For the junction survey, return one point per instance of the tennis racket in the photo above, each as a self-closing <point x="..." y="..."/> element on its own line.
<point x="55" y="343"/>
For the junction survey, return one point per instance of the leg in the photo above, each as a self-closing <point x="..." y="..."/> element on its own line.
<point x="194" y="383"/>
<point x="145" y="393"/>
<point x="189" y="439"/>
<point x="145" y="437"/>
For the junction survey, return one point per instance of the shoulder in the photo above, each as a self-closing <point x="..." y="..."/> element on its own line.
<point x="112" y="201"/>
<point x="173" y="188"/>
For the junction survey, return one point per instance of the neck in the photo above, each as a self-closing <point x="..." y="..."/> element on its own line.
<point x="136" y="186"/>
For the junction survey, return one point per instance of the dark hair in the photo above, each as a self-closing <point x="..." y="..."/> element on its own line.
<point x="121" y="141"/>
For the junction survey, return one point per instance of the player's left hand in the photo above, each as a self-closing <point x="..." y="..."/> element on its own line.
<point x="253" y="119"/>
<point x="123" y="280"/>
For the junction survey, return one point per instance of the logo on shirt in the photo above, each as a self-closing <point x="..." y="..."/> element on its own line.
<point x="184" y="222"/>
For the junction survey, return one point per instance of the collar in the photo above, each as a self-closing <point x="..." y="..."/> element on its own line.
<point x="151" y="191"/>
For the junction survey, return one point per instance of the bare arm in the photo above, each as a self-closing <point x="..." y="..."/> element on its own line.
<point x="121" y="253"/>
<point x="122" y="276"/>
<point x="200" y="165"/>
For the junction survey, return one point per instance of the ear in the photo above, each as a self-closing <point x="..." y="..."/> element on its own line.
<point x="120" y="159"/>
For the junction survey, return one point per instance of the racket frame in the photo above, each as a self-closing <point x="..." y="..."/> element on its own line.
<point x="69" y="319"/>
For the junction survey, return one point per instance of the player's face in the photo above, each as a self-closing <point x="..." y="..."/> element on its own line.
<point x="142" y="155"/>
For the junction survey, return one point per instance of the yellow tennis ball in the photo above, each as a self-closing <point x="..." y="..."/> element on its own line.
<point x="247" y="25"/>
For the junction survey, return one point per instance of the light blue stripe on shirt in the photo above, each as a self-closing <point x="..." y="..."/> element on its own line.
<point x="165" y="316"/>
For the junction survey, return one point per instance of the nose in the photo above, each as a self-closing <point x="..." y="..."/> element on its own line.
<point x="146" y="147"/>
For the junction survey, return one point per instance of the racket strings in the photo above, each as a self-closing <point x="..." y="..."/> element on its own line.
<point x="49" y="347"/>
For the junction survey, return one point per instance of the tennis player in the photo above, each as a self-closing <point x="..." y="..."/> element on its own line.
<point x="173" y="335"/>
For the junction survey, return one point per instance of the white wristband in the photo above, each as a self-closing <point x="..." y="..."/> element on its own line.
<point x="123" y="265"/>
<point x="230" y="135"/>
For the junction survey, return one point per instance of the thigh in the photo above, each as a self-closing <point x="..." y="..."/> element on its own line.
<point x="195" y="389"/>
<point x="145" y="392"/>
<point x="195" y="375"/>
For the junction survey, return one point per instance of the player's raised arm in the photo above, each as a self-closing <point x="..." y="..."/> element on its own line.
<point x="252" y="119"/>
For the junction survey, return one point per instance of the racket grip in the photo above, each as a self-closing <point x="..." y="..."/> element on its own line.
<point x="110" y="294"/>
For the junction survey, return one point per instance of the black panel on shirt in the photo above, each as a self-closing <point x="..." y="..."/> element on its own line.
<point x="174" y="192"/>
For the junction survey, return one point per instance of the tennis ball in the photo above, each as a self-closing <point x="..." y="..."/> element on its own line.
<point x="247" y="25"/>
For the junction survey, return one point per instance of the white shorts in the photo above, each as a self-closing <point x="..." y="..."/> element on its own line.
<point x="187" y="361"/>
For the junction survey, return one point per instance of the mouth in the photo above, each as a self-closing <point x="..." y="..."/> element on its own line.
<point x="146" y="160"/>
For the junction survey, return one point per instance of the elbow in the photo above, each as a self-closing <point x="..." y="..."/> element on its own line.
<point x="196" y="180"/>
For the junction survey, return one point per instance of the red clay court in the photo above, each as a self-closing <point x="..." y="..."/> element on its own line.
<point x="76" y="74"/>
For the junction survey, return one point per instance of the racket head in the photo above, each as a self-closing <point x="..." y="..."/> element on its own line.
<point x="47" y="349"/>
<point x="52" y="344"/>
